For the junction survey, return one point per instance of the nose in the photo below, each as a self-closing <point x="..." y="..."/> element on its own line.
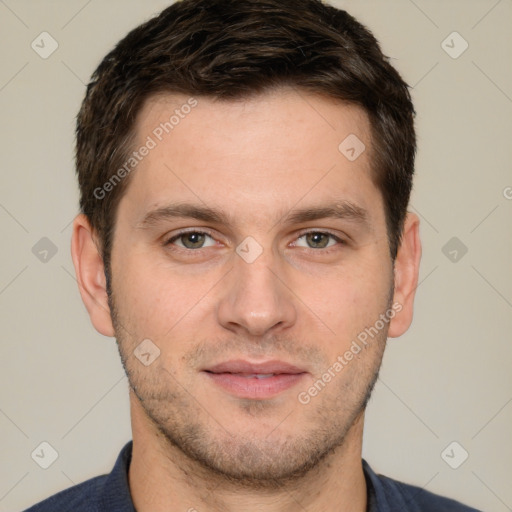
<point x="255" y="300"/>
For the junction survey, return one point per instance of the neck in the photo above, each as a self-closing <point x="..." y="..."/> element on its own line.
<point x="161" y="476"/>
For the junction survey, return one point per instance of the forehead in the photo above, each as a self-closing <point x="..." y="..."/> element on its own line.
<point x="259" y="154"/>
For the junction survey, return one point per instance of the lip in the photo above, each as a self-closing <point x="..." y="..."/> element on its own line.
<point x="242" y="366"/>
<point x="238" y="377"/>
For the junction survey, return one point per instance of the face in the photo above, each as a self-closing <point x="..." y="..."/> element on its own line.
<point x="252" y="253"/>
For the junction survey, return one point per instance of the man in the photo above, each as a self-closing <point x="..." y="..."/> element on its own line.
<point x="245" y="168"/>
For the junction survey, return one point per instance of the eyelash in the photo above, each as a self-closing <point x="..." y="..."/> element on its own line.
<point x="300" y="235"/>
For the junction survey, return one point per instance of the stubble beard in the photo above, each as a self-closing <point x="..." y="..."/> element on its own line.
<point x="204" y="447"/>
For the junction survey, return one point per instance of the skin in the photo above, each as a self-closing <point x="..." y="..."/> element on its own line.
<point x="195" y="445"/>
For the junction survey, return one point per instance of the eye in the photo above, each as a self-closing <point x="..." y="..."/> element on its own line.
<point x="191" y="240"/>
<point x="318" y="240"/>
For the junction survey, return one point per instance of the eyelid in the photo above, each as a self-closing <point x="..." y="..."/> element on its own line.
<point x="304" y="232"/>
<point x="319" y="230"/>
<point x="338" y="238"/>
<point x="202" y="231"/>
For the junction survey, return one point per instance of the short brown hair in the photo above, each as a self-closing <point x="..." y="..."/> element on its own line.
<point x="232" y="49"/>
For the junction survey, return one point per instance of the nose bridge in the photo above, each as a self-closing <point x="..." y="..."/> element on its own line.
<point x="255" y="300"/>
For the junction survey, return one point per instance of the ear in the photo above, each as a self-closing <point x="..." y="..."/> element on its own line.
<point x="90" y="274"/>
<point x="407" y="266"/>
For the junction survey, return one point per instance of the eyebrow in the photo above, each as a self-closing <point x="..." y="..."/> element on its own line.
<point x="343" y="209"/>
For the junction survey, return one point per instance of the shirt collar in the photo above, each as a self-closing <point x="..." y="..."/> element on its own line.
<point x="115" y="495"/>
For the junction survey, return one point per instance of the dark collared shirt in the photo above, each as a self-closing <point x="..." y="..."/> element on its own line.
<point x="110" y="493"/>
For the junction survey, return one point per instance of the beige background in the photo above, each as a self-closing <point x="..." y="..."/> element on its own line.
<point x="448" y="379"/>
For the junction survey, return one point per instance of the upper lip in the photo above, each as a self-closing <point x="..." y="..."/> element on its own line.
<point x="241" y="366"/>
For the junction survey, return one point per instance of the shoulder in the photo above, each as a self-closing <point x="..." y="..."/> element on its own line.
<point x="79" y="498"/>
<point x="390" y="495"/>
<point x="106" y="493"/>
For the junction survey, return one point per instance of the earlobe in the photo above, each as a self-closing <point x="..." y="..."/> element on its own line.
<point x="407" y="265"/>
<point x="90" y="274"/>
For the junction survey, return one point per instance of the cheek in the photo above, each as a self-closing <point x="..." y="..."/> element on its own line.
<point x="155" y="299"/>
<point x="141" y="295"/>
<point x="350" y="299"/>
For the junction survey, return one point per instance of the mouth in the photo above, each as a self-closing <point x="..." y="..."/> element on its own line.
<point x="256" y="381"/>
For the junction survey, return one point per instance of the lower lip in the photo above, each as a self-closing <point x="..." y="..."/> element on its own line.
<point x="252" y="387"/>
